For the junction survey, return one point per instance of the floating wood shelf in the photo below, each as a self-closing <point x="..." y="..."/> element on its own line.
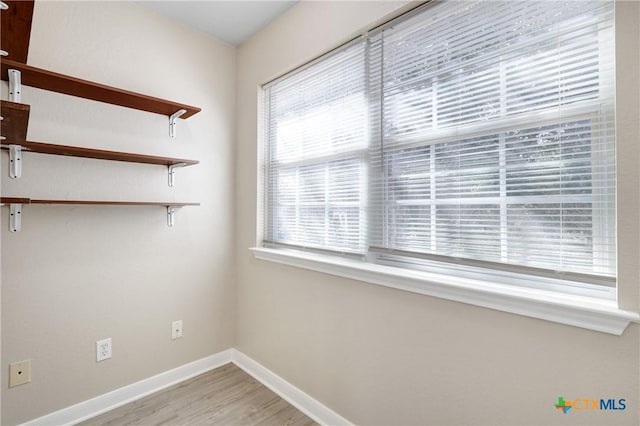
<point x="15" y="29"/>
<point x="55" y="82"/>
<point x="73" y="151"/>
<point x="15" y="118"/>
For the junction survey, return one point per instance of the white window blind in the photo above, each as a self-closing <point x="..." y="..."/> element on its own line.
<point x="317" y="139"/>
<point x="471" y="132"/>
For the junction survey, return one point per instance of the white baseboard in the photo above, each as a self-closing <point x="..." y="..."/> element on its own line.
<point x="108" y="401"/>
<point x="294" y="396"/>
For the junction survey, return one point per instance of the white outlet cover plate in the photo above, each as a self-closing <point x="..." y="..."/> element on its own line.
<point x="19" y="373"/>
<point x="103" y="349"/>
<point x="176" y="329"/>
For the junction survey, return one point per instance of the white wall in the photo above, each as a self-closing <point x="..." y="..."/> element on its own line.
<point x="77" y="274"/>
<point x="383" y="356"/>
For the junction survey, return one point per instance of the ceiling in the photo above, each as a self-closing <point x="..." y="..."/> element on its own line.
<point x="230" y="21"/>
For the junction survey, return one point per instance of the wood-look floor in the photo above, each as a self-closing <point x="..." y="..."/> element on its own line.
<point x="224" y="396"/>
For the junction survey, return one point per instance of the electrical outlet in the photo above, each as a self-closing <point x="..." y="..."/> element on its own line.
<point x="103" y="349"/>
<point x="176" y="329"/>
<point x="19" y="373"/>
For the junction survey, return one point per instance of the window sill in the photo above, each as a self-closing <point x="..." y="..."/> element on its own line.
<point x="578" y="311"/>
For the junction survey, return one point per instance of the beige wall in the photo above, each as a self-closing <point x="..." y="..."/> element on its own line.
<point x="383" y="356"/>
<point x="78" y="274"/>
<point x="373" y="354"/>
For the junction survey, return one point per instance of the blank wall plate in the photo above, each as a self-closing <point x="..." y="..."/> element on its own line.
<point x="176" y="329"/>
<point x="103" y="349"/>
<point x="19" y="373"/>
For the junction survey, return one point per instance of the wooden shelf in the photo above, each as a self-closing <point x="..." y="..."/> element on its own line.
<point x="15" y="205"/>
<point x="18" y="200"/>
<point x="73" y="151"/>
<point x="55" y="82"/>
<point x="14" y="200"/>
<point x="14" y="123"/>
<point x="15" y="29"/>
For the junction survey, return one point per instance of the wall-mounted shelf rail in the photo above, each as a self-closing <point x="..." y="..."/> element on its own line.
<point x="15" y="207"/>
<point x="55" y="82"/>
<point x="15" y="29"/>
<point x="73" y="151"/>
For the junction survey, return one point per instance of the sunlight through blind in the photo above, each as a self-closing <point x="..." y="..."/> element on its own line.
<point x="317" y="139"/>
<point x="497" y="134"/>
<point x="471" y="131"/>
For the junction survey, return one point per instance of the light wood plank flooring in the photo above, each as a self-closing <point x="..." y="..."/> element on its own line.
<point x="224" y="396"/>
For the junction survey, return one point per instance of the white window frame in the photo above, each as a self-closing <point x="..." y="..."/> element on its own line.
<point x="594" y="313"/>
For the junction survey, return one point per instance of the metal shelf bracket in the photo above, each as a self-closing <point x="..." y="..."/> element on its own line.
<point x="172" y="122"/>
<point x="172" y="172"/>
<point x="15" y="85"/>
<point x="15" y="161"/>
<point x="171" y="215"/>
<point x="15" y="217"/>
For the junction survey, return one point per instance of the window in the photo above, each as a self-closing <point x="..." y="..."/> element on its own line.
<point x="317" y="133"/>
<point x="467" y="136"/>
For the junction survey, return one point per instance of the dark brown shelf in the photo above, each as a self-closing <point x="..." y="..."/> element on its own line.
<point x="17" y="200"/>
<point x="55" y="82"/>
<point x="14" y="200"/>
<point x="15" y="29"/>
<point x="14" y="123"/>
<point x="73" y="151"/>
